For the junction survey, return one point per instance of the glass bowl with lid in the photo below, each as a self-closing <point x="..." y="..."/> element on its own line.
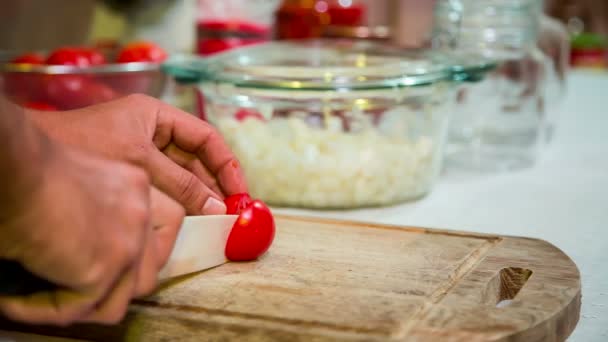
<point x="329" y="124"/>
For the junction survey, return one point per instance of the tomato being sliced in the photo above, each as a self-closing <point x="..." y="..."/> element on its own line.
<point x="236" y="203"/>
<point x="252" y="233"/>
<point x="142" y="51"/>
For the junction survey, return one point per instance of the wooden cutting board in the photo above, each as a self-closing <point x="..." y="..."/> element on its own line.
<point x="329" y="280"/>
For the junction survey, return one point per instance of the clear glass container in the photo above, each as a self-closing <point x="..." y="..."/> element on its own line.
<point x="66" y="87"/>
<point x="503" y="122"/>
<point x="327" y="124"/>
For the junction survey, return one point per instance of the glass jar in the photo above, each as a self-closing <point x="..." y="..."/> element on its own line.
<point x="226" y="24"/>
<point x="301" y="19"/>
<point x="503" y="122"/>
<point x="328" y="124"/>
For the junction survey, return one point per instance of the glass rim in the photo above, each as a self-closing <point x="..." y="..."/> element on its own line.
<point x="235" y="67"/>
<point x="75" y="70"/>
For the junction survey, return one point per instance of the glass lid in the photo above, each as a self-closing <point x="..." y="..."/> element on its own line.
<point x="322" y="65"/>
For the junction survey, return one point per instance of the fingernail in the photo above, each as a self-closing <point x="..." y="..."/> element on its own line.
<point x="214" y="206"/>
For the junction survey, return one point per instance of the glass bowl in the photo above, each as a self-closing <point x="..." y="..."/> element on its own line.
<point x="329" y="124"/>
<point x="69" y="87"/>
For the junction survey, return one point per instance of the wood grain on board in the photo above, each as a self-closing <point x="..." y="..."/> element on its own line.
<point x="329" y="280"/>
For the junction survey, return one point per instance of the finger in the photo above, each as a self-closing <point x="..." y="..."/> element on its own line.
<point x="113" y="307"/>
<point x="191" y="163"/>
<point x="184" y="187"/>
<point x="222" y="163"/>
<point x="198" y="137"/>
<point x="167" y="218"/>
<point x="56" y="308"/>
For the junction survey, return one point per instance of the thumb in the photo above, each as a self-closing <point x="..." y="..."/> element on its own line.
<point x="184" y="187"/>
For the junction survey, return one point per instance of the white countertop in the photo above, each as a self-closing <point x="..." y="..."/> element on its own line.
<point x="563" y="199"/>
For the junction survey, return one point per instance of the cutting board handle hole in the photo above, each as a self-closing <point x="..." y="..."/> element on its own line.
<point x="505" y="285"/>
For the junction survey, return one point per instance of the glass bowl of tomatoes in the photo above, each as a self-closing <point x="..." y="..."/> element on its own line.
<point x="74" y="77"/>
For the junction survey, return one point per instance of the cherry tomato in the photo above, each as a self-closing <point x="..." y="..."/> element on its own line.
<point x="42" y="106"/>
<point x="94" y="56"/>
<point x="69" y="56"/>
<point x="29" y="58"/>
<point x="252" y="233"/>
<point x="236" y="203"/>
<point x="23" y="87"/>
<point x="76" y="91"/>
<point x="141" y="52"/>
<point x="245" y="113"/>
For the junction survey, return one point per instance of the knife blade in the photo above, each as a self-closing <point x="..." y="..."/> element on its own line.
<point x="200" y="245"/>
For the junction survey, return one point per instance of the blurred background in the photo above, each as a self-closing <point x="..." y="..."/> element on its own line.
<point x="178" y="25"/>
<point x="502" y="121"/>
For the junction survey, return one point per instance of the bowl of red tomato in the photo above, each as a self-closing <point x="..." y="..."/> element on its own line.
<point x="73" y="77"/>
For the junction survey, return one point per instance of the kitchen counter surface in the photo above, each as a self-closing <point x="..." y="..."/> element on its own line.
<point x="563" y="199"/>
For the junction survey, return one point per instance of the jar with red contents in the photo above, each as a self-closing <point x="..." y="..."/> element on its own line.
<point x="589" y="51"/>
<point x="220" y="35"/>
<point x="216" y="36"/>
<point x="298" y="19"/>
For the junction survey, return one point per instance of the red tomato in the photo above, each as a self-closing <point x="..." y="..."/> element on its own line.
<point x="23" y="87"/>
<point x="236" y="203"/>
<point x="29" y="58"/>
<point x="252" y="233"/>
<point x="69" y="56"/>
<point x="42" y="106"/>
<point x="76" y="91"/>
<point x="141" y="52"/>
<point x="77" y="56"/>
<point x="245" y="113"/>
<point x="94" y="56"/>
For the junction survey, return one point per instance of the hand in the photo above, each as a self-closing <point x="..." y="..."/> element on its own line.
<point x="96" y="230"/>
<point x="185" y="157"/>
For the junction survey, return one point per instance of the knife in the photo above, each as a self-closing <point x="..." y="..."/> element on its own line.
<point x="200" y="245"/>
